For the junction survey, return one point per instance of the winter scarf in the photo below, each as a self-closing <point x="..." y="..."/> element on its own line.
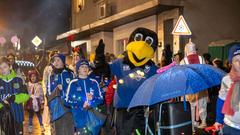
<point x="8" y="77"/>
<point x="231" y="104"/>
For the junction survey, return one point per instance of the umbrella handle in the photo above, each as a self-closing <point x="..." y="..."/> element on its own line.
<point x="159" y="119"/>
<point x="147" y="128"/>
<point x="146" y="114"/>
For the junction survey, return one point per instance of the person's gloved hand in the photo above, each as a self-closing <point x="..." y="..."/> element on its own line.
<point x="4" y="104"/>
<point x="10" y="100"/>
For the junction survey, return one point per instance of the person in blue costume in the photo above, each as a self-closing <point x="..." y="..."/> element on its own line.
<point x="131" y="71"/>
<point x="13" y="93"/>
<point x="83" y="94"/>
<point x="57" y="84"/>
<point x="228" y="103"/>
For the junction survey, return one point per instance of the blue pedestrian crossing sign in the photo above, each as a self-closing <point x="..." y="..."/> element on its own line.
<point x="181" y="27"/>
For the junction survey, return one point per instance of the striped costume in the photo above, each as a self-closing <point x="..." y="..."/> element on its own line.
<point x="13" y="90"/>
<point x="14" y="86"/>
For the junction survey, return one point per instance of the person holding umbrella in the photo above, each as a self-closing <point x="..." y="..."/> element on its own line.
<point x="228" y="103"/>
<point x="199" y="100"/>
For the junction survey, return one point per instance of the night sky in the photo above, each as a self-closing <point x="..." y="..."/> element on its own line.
<point x="27" y="18"/>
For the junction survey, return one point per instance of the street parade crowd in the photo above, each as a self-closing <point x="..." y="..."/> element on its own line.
<point x="93" y="98"/>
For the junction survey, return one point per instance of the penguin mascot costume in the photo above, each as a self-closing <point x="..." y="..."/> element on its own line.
<point x="131" y="71"/>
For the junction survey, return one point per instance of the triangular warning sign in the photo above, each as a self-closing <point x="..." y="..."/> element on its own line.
<point x="181" y="27"/>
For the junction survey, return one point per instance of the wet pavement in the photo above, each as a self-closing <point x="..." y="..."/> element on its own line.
<point x="36" y="127"/>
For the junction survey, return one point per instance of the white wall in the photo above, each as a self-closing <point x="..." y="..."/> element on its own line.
<point x="108" y="40"/>
<point x="124" y="31"/>
<point x="95" y="39"/>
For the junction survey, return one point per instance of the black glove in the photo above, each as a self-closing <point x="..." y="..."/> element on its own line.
<point x="11" y="99"/>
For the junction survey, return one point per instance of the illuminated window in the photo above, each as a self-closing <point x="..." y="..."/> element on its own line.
<point x="80" y="5"/>
<point x="121" y="45"/>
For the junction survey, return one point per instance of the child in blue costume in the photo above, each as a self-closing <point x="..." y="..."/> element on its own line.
<point x="13" y="92"/>
<point x="83" y="93"/>
<point x="58" y="81"/>
<point x="228" y="103"/>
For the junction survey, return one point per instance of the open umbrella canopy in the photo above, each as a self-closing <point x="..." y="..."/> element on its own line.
<point x="177" y="81"/>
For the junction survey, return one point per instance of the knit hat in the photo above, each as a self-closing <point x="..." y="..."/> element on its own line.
<point x="233" y="51"/>
<point x="61" y="56"/>
<point x="31" y="72"/>
<point x="80" y="63"/>
<point x="52" y="53"/>
<point x="190" y="48"/>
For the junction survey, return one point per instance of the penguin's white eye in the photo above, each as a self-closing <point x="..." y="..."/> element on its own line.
<point x="149" y="40"/>
<point x="138" y="37"/>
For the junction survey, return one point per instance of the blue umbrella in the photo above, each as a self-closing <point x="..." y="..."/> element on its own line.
<point x="177" y="81"/>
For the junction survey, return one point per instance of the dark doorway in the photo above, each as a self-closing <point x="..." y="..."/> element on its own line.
<point x="168" y="28"/>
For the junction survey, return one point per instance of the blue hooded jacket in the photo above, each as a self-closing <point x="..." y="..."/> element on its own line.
<point x="56" y="104"/>
<point x="76" y="96"/>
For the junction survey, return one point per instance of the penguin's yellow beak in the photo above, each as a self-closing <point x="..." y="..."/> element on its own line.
<point x="139" y="52"/>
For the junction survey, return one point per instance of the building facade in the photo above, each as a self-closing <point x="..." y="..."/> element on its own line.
<point x="114" y="20"/>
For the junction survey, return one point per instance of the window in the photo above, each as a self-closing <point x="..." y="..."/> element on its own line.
<point x="121" y="46"/>
<point x="80" y="5"/>
<point x="102" y="9"/>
